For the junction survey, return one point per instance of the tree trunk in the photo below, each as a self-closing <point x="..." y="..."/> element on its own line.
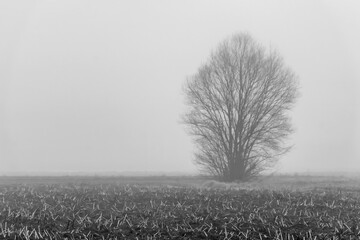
<point x="237" y="170"/>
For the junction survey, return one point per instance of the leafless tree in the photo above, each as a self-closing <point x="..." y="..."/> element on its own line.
<point x="239" y="103"/>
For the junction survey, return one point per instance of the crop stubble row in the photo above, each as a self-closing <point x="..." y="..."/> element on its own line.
<point x="115" y="211"/>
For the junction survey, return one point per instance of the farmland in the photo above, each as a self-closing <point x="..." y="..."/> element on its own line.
<point x="178" y="208"/>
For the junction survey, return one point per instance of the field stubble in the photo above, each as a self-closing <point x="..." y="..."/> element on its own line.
<point x="179" y="208"/>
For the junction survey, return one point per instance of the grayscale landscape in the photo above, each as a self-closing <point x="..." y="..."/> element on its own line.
<point x="179" y="119"/>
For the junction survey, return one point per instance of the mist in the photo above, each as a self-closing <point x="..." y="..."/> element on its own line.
<point x="96" y="87"/>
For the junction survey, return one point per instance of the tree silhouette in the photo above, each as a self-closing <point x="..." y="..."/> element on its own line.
<point x="239" y="104"/>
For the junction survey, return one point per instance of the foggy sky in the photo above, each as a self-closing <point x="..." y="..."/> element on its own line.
<point x="97" y="85"/>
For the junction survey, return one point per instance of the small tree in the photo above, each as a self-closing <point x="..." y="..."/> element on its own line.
<point x="238" y="109"/>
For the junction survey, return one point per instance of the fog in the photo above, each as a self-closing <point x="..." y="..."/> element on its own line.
<point x="96" y="86"/>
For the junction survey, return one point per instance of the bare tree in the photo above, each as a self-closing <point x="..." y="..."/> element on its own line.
<point x="238" y="109"/>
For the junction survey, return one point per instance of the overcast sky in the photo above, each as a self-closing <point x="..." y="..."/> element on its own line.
<point x="97" y="85"/>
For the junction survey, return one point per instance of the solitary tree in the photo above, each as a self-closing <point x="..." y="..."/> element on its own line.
<point x="239" y="102"/>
